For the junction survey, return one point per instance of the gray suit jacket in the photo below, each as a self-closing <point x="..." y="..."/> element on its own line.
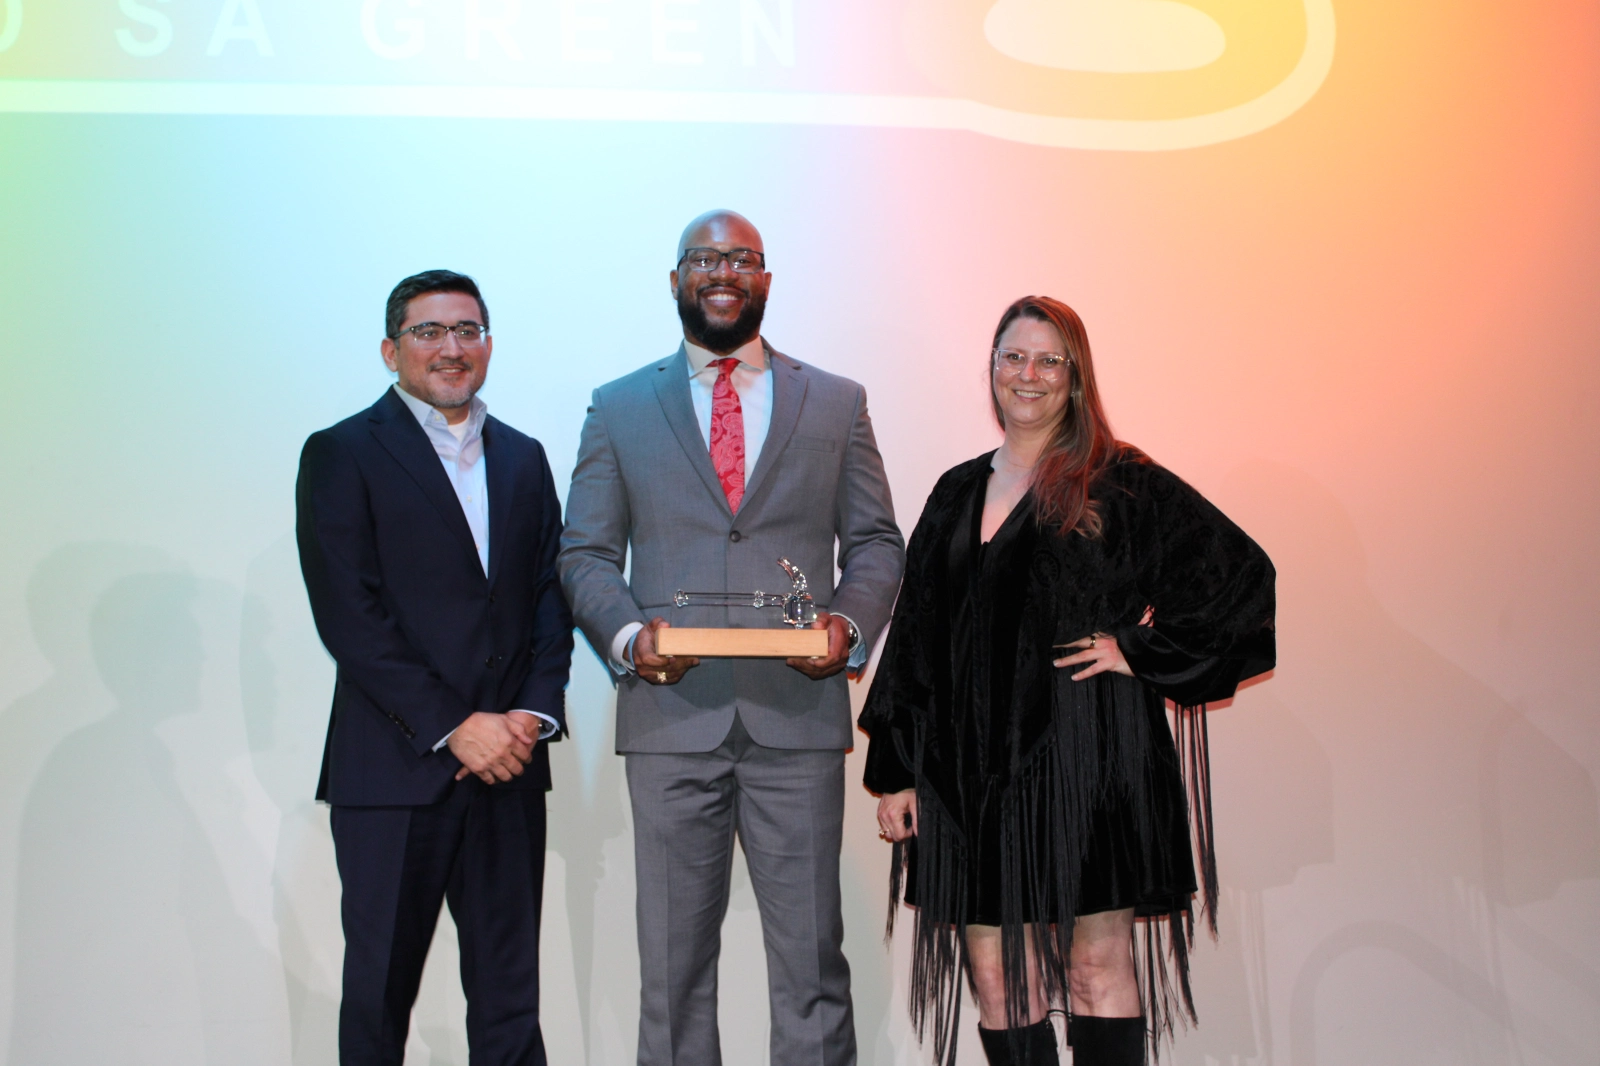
<point x="644" y="480"/>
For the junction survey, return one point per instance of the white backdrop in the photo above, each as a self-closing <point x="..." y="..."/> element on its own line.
<point x="1366" y="332"/>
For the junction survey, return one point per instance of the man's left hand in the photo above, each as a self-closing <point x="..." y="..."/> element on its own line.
<point x="493" y="746"/>
<point x="819" y="667"/>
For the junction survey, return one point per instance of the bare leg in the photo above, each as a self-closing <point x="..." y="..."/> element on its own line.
<point x="1102" y="981"/>
<point x="1102" y="978"/>
<point x="983" y="953"/>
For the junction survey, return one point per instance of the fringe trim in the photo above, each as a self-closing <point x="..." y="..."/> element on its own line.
<point x="1194" y="764"/>
<point x="939" y="951"/>
<point x="1099" y="742"/>
<point x="1161" y="946"/>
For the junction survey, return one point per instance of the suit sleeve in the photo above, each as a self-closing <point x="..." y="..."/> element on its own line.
<point x="594" y="545"/>
<point x="872" y="551"/>
<point x="544" y="691"/>
<point x="339" y="560"/>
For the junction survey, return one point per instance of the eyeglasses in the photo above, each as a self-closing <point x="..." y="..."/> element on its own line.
<point x="705" y="260"/>
<point x="1048" y="365"/>
<point x="431" y="334"/>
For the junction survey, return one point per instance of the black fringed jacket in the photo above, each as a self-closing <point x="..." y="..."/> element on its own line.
<point x="1163" y="546"/>
<point x="1058" y="751"/>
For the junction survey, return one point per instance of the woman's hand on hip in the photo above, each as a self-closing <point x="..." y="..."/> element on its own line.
<point x="897" y="815"/>
<point x="1096" y="654"/>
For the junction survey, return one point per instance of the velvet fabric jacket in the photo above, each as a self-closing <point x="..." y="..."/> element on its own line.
<point x="1061" y="750"/>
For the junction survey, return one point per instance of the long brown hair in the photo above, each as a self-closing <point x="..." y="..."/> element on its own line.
<point x="1082" y="446"/>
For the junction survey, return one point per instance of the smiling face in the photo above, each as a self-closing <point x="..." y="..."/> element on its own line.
<point x="448" y="374"/>
<point x="1032" y="403"/>
<point x="721" y="310"/>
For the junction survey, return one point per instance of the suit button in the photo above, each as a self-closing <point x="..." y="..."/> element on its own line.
<point x="735" y="537"/>
<point x="491" y="598"/>
<point x="489" y="662"/>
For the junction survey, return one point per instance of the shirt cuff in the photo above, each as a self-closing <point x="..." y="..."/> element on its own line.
<point x="622" y="649"/>
<point x="858" y="647"/>
<point x="549" y="726"/>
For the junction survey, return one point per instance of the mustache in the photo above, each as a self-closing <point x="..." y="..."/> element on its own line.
<point x="450" y="364"/>
<point x="745" y="327"/>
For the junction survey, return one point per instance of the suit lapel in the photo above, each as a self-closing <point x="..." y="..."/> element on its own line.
<point x="788" y="396"/>
<point x="672" y="389"/>
<point x="500" y="477"/>
<point x="396" y="429"/>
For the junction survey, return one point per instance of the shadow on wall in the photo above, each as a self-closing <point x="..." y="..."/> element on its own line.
<point x="285" y="690"/>
<point x="60" y="593"/>
<point x="1273" y="807"/>
<point x="1449" y="808"/>
<point x="122" y="906"/>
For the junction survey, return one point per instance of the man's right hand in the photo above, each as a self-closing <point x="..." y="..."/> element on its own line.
<point x="493" y="746"/>
<point x="658" y="669"/>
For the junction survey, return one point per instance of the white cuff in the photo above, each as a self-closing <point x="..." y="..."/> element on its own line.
<point x="550" y="726"/>
<point x="622" y="649"/>
<point x="858" y="647"/>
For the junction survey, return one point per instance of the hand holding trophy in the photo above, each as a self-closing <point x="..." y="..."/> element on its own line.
<point x="799" y="612"/>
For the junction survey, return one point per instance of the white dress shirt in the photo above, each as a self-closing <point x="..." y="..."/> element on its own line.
<point x="752" y="380"/>
<point x="460" y="449"/>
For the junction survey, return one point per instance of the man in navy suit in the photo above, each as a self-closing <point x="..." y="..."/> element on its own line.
<point x="428" y="535"/>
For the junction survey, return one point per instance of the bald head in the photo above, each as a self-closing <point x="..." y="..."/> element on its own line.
<point x="720" y="300"/>
<point x="720" y="229"/>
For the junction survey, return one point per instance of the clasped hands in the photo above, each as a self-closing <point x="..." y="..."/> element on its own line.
<point x="669" y="669"/>
<point x="495" y="747"/>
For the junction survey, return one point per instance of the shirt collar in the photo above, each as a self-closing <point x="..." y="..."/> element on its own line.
<point x="752" y="354"/>
<point x="426" y="413"/>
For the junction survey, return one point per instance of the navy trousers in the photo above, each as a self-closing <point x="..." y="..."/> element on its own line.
<point x="482" y="850"/>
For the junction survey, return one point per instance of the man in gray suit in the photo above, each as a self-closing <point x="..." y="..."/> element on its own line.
<point x="710" y="464"/>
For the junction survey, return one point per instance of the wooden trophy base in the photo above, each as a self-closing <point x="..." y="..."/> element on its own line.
<point x="743" y="643"/>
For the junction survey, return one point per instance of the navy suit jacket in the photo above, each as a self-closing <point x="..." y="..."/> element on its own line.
<point x="422" y="638"/>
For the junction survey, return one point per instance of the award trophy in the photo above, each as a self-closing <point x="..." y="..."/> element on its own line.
<point x="799" y="641"/>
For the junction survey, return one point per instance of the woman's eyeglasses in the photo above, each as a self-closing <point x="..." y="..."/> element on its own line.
<point x="1048" y="365"/>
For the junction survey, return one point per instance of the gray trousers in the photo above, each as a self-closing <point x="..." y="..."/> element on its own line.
<point x="787" y="809"/>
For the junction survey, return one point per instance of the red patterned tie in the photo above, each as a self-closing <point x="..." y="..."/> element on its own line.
<point x="727" y="433"/>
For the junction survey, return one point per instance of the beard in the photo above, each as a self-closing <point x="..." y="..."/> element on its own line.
<point x="717" y="336"/>
<point x="437" y="393"/>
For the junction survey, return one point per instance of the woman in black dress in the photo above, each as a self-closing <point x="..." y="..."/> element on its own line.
<point x="1057" y="592"/>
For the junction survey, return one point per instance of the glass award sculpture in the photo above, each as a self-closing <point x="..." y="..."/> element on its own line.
<point x="796" y="641"/>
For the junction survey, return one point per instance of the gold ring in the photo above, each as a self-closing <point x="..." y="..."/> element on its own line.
<point x="1093" y="638"/>
<point x="661" y="677"/>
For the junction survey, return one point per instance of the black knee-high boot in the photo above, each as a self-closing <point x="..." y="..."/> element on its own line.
<point x="1035" y="1045"/>
<point x="1106" y="1041"/>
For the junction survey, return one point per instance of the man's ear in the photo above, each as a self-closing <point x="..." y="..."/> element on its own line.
<point x="672" y="280"/>
<point x="391" y="354"/>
